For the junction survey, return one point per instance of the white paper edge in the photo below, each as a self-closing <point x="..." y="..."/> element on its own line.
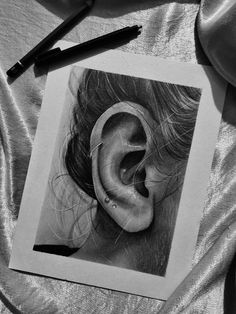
<point x="195" y="184"/>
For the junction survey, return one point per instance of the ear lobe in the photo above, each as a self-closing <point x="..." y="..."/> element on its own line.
<point x="120" y="143"/>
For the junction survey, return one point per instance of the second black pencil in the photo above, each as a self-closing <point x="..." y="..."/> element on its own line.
<point x="56" y="55"/>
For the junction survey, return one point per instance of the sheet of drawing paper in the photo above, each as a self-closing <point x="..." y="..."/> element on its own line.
<point x="35" y="222"/>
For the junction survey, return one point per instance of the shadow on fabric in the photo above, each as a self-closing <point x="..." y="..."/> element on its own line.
<point x="230" y="289"/>
<point x="105" y="8"/>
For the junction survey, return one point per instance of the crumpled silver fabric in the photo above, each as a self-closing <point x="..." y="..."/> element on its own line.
<point x="169" y="32"/>
<point x="216" y="29"/>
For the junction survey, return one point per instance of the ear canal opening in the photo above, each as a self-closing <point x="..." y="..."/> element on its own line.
<point x="131" y="172"/>
<point x="139" y="182"/>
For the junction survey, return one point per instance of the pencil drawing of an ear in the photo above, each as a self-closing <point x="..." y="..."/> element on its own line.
<point x="120" y="145"/>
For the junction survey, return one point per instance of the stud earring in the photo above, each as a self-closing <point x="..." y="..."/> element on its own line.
<point x="107" y="200"/>
<point x="114" y="206"/>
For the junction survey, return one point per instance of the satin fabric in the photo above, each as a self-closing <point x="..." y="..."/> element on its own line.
<point x="169" y="31"/>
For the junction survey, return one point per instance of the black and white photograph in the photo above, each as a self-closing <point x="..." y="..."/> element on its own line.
<point x="120" y="170"/>
<point x="121" y="191"/>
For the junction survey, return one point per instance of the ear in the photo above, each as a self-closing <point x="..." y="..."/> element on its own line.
<point x="123" y="175"/>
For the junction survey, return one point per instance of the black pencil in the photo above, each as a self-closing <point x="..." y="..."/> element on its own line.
<point x="48" y="41"/>
<point x="57" y="55"/>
